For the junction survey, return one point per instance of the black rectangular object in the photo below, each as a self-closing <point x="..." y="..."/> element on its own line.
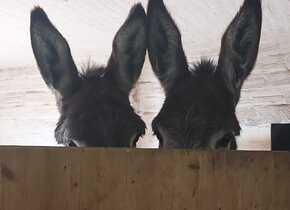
<point x="280" y="137"/>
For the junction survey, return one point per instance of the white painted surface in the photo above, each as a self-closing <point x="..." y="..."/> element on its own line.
<point x="27" y="108"/>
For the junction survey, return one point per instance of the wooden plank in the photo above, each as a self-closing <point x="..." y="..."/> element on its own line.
<point x="83" y="179"/>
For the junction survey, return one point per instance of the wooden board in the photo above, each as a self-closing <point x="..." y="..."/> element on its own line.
<point x="86" y="179"/>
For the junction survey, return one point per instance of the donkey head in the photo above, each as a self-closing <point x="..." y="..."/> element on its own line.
<point x="199" y="109"/>
<point x="94" y="105"/>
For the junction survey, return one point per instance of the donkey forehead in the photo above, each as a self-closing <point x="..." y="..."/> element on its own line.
<point x="100" y="85"/>
<point x="201" y="97"/>
<point x="95" y="94"/>
<point x="211" y="118"/>
<point x="92" y="99"/>
<point x="196" y="105"/>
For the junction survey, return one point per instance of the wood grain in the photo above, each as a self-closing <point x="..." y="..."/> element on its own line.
<point x="83" y="179"/>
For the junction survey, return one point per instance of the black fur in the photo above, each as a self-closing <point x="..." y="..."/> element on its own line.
<point x="94" y="105"/>
<point x="199" y="109"/>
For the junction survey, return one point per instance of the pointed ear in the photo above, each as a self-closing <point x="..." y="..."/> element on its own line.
<point x="165" y="46"/>
<point x="52" y="54"/>
<point x="129" y="49"/>
<point x="240" y="45"/>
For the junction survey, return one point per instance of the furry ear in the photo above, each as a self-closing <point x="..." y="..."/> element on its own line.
<point x="240" y="45"/>
<point x="52" y="54"/>
<point x="165" y="47"/>
<point x="129" y="49"/>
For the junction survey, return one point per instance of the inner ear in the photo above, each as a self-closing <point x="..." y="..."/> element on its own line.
<point x="227" y="142"/>
<point x="134" y="140"/>
<point x="240" y="45"/>
<point x="53" y="55"/>
<point x="129" y="49"/>
<point x="165" y="48"/>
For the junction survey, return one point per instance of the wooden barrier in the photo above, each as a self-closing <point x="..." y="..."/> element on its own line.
<point x="110" y="179"/>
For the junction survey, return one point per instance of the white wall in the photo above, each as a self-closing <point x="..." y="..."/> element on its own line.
<point x="27" y="108"/>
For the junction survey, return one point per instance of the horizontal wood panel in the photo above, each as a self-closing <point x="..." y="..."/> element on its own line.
<point x="84" y="179"/>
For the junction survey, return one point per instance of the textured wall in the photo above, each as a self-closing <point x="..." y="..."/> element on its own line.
<point x="27" y="109"/>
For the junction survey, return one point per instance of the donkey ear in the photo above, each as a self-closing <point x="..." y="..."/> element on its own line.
<point x="240" y="45"/>
<point x="52" y="54"/>
<point x="165" y="46"/>
<point x="129" y="49"/>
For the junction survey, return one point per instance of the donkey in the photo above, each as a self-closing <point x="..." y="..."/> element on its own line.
<point x="199" y="109"/>
<point x="94" y="105"/>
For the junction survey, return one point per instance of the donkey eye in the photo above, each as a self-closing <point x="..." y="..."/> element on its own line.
<point x="228" y="142"/>
<point x="225" y="142"/>
<point x="134" y="142"/>
<point x="222" y="143"/>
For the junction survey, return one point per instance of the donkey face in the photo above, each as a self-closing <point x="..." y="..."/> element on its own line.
<point x="199" y="109"/>
<point x="94" y="106"/>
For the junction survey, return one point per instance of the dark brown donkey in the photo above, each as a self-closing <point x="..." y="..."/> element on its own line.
<point x="199" y="109"/>
<point x="94" y="105"/>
